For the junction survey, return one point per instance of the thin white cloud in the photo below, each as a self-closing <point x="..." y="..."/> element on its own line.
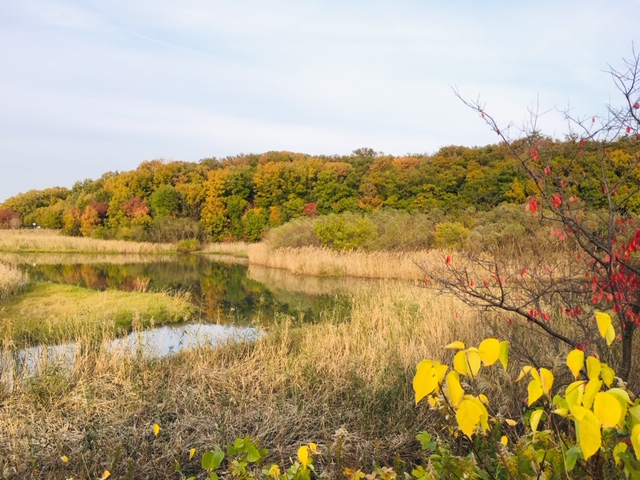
<point x="138" y="80"/>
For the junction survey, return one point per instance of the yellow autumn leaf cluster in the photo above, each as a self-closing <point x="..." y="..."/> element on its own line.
<point x="432" y="378"/>
<point x="592" y="409"/>
<point x="539" y="385"/>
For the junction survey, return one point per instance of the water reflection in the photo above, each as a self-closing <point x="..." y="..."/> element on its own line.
<point x="156" y="343"/>
<point x="223" y="291"/>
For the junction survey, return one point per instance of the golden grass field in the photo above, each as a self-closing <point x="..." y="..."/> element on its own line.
<point x="319" y="261"/>
<point x="350" y="380"/>
<point x="53" y="241"/>
<point x="345" y="384"/>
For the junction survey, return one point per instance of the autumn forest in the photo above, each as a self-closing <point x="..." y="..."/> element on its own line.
<point x="241" y="197"/>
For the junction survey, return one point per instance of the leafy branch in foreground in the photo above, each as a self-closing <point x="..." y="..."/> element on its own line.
<point x="585" y="193"/>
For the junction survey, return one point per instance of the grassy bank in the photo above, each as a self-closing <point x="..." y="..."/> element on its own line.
<point x="48" y="313"/>
<point x="346" y="386"/>
<point x="48" y="241"/>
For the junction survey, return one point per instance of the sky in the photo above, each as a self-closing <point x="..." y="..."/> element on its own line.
<point x="88" y="87"/>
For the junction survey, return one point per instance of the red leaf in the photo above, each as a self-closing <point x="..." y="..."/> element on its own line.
<point x="523" y="271"/>
<point x="448" y="259"/>
<point x="628" y="129"/>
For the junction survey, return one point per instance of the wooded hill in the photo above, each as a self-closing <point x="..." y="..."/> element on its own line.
<point x="239" y="198"/>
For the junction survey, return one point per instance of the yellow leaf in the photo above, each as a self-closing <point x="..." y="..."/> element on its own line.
<point x="313" y="447"/>
<point x="484" y="414"/>
<point x="468" y="417"/>
<point x="274" y="471"/>
<point x="460" y="363"/>
<point x="574" y="392"/>
<point x="635" y="440"/>
<point x="504" y="440"/>
<point x="546" y="380"/>
<point x="523" y="372"/>
<point x="607" y="374"/>
<point x="536" y="375"/>
<point x="590" y="391"/>
<point x="593" y="367"/>
<point x="156" y="429"/>
<point x="425" y="380"/>
<point x="455" y="389"/>
<point x="604" y="322"/>
<point x="610" y="335"/>
<point x="489" y="350"/>
<point x="483" y="398"/>
<point x="441" y="370"/>
<point x="457" y="345"/>
<point x="578" y="412"/>
<point x="534" y="390"/>
<point x="504" y="354"/>
<point x="432" y="401"/>
<point x="64" y="458"/>
<point x="617" y="450"/>
<point x="192" y="452"/>
<point x="563" y="412"/>
<point x="473" y="361"/>
<point x="622" y="396"/>
<point x="105" y="475"/>
<point x="535" y="419"/>
<point x="607" y="409"/>
<point x="510" y="422"/>
<point x="303" y="456"/>
<point x="589" y="435"/>
<point x="575" y="361"/>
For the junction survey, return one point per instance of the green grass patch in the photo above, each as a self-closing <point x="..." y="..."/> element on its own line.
<point x="52" y="313"/>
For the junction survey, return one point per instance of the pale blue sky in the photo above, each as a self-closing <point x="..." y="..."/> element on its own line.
<point x="88" y="87"/>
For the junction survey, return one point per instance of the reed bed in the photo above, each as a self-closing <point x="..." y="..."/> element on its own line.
<point x="54" y="241"/>
<point x="238" y="249"/>
<point x="71" y="258"/>
<point x="284" y="280"/>
<point x="344" y="385"/>
<point x="12" y="281"/>
<point x="318" y="261"/>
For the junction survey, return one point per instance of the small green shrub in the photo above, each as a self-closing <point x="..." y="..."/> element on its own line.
<point x="296" y="233"/>
<point x="188" y="245"/>
<point x="451" y="235"/>
<point x="345" y="231"/>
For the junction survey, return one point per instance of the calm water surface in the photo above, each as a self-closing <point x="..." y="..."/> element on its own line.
<point x="234" y="306"/>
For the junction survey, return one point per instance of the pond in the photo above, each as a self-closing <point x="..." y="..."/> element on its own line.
<point x="222" y="290"/>
<point x="235" y="300"/>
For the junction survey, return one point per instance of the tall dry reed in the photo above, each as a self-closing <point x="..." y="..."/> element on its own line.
<point x="338" y="381"/>
<point x="12" y="281"/>
<point x="232" y="248"/>
<point x="54" y="241"/>
<point x="320" y="261"/>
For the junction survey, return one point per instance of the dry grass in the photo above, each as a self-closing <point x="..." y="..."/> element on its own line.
<point x="290" y="387"/>
<point x="82" y="258"/>
<point x="238" y="249"/>
<point x="54" y="241"/>
<point x="319" y="261"/>
<point x="12" y="281"/>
